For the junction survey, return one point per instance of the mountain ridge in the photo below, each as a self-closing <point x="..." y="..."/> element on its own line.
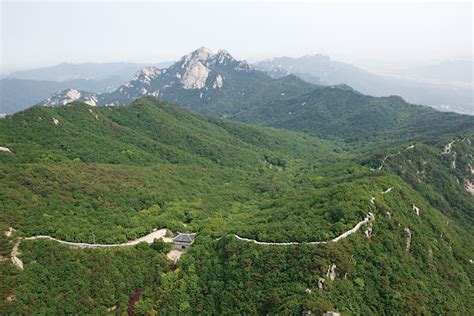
<point x="341" y="113"/>
<point x="317" y="69"/>
<point x="321" y="69"/>
<point x="111" y="174"/>
<point x="202" y="81"/>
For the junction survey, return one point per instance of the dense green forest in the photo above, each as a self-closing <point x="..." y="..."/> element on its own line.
<point x="360" y="121"/>
<point x="112" y="174"/>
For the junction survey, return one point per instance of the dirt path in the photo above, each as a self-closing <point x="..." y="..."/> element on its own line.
<point x="447" y="148"/>
<point x="351" y="231"/>
<point x="390" y="155"/>
<point x="384" y="159"/>
<point x="175" y="254"/>
<point x="147" y="238"/>
<point x="14" y="255"/>
<point x="157" y="234"/>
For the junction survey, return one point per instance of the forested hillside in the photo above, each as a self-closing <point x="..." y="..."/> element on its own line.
<point x="218" y="85"/>
<point x="340" y="113"/>
<point x="112" y="174"/>
<point x="435" y="85"/>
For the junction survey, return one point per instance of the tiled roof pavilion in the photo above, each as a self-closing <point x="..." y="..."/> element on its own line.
<point x="184" y="238"/>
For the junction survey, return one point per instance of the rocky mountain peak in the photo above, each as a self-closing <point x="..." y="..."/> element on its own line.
<point x="199" y="69"/>
<point x="145" y="75"/>
<point x="243" y="66"/>
<point x="223" y="57"/>
<point x="194" y="68"/>
<point x="200" y="55"/>
<point x="70" y="95"/>
<point x="206" y="57"/>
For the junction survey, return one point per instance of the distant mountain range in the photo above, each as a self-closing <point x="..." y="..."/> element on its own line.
<point x="218" y="84"/>
<point x="90" y="71"/>
<point x="19" y="94"/>
<point x="22" y="89"/>
<point x="320" y="69"/>
<point x="204" y="82"/>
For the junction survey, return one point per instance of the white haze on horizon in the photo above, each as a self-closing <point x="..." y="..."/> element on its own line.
<point x="372" y="35"/>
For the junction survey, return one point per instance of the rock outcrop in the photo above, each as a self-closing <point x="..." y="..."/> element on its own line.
<point x="331" y="272"/>
<point x="5" y="149"/>
<point x="416" y="209"/>
<point x="321" y="283"/>
<point x="407" y="239"/>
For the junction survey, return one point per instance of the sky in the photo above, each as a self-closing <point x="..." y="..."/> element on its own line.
<point x="372" y="34"/>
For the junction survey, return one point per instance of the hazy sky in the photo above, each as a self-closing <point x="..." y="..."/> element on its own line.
<point x="368" y="34"/>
